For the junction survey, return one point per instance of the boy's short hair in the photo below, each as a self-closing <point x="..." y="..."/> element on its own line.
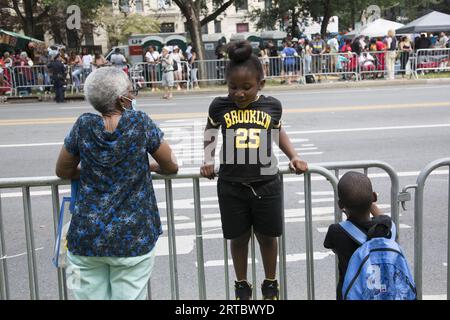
<point x="355" y="192"/>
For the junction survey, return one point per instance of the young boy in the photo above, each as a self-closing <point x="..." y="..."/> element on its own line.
<point x="357" y="201"/>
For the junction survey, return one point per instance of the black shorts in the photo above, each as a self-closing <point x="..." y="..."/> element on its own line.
<point x="258" y="204"/>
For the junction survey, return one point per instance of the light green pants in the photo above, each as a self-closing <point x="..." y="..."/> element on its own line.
<point x="109" y="278"/>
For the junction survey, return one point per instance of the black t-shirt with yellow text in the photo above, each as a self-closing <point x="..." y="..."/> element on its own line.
<point x="248" y="134"/>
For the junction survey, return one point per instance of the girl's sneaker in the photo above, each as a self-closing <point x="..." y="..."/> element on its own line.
<point x="269" y="289"/>
<point x="243" y="290"/>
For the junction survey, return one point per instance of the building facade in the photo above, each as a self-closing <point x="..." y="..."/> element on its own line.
<point x="233" y="20"/>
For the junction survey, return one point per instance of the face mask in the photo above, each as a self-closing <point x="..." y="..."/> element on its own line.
<point x="133" y="103"/>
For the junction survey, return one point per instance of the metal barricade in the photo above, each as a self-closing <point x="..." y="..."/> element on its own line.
<point x="290" y="69"/>
<point x="418" y="223"/>
<point x="144" y="74"/>
<point x="432" y="60"/>
<point x="343" y="65"/>
<point x="321" y="169"/>
<point x="366" y="165"/>
<point x="274" y="68"/>
<point x="372" y="64"/>
<point x="212" y="71"/>
<point x="405" y="63"/>
<point x="28" y="78"/>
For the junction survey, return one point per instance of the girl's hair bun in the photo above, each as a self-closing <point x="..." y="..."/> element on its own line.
<point x="239" y="51"/>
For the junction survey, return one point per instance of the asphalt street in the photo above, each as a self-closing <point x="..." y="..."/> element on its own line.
<point x="405" y="126"/>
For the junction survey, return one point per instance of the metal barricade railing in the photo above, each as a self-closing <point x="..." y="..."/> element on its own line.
<point x="323" y="169"/>
<point x="366" y="165"/>
<point x="332" y="64"/>
<point x="212" y="71"/>
<point x="273" y="67"/>
<point x="21" y="80"/>
<point x="372" y="64"/>
<point x="406" y="62"/>
<point x="26" y="184"/>
<point x="146" y="74"/>
<point x="418" y="223"/>
<point x="27" y="78"/>
<point x="436" y="60"/>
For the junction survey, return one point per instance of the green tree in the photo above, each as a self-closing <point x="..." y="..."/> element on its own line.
<point x="35" y="17"/>
<point x="277" y="12"/>
<point x="29" y="15"/>
<point x="120" y="26"/>
<point x="198" y="15"/>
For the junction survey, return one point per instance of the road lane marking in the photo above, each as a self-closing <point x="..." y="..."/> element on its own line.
<point x="199" y="145"/>
<point x="26" y="145"/>
<point x="171" y="116"/>
<point x="20" y="254"/>
<point x="430" y="126"/>
<point x="295" y="257"/>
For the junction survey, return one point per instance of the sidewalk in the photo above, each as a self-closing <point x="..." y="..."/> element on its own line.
<point x="269" y="87"/>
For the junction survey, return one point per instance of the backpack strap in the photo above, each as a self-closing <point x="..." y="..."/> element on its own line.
<point x="354" y="232"/>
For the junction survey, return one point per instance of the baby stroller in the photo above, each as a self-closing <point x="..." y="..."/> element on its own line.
<point x="136" y="74"/>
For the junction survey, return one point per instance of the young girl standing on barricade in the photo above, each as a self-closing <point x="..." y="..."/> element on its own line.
<point x="249" y="186"/>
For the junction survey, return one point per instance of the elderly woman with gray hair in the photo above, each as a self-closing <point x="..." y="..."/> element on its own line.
<point x="116" y="222"/>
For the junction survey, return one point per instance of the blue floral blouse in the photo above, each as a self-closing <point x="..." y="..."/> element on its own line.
<point x="116" y="213"/>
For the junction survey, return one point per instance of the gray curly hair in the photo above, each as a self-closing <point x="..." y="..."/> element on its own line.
<point x="104" y="86"/>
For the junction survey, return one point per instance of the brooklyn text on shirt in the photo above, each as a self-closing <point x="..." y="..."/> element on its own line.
<point x="247" y="116"/>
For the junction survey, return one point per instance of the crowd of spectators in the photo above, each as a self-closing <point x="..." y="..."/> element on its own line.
<point x="337" y="53"/>
<point x="53" y="68"/>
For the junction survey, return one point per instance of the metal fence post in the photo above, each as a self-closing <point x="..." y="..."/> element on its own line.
<point x="418" y="223"/>
<point x="31" y="254"/>
<point x="309" y="237"/>
<point x="199" y="241"/>
<point x="337" y="219"/>
<point x="227" y="274"/>
<point x="172" y="241"/>
<point x="282" y="250"/>
<point x="4" y="283"/>
<point x="253" y="254"/>
<point x="448" y="238"/>
<point x="61" y="272"/>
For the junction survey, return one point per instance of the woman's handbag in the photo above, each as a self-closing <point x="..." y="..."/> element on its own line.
<point x="65" y="215"/>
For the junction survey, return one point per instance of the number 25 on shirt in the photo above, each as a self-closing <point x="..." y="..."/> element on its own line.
<point x="247" y="138"/>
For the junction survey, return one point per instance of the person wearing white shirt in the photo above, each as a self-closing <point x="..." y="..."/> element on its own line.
<point x="443" y="40"/>
<point x="87" y="63"/>
<point x="333" y="44"/>
<point x="177" y="56"/>
<point x="391" y="47"/>
<point x="152" y="58"/>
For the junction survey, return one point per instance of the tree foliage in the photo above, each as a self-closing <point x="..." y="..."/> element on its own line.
<point x="198" y="14"/>
<point x="35" y="17"/>
<point x="348" y="11"/>
<point x="119" y="26"/>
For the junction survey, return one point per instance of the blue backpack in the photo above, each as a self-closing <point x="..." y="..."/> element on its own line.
<point x="377" y="270"/>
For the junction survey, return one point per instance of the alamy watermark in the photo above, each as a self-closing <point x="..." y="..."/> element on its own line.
<point x="193" y="146"/>
<point x="73" y="21"/>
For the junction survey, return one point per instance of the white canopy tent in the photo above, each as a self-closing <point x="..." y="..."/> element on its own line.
<point x="377" y="28"/>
